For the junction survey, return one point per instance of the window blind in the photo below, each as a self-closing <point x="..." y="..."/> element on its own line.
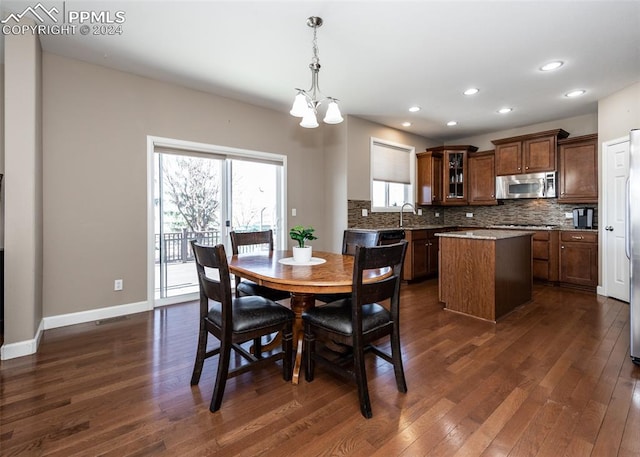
<point x="390" y="163"/>
<point x="222" y="155"/>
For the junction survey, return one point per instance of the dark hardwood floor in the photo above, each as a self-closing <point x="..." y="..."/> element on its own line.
<point x="552" y="378"/>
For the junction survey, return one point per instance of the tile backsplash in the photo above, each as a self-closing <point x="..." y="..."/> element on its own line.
<point x="525" y="211"/>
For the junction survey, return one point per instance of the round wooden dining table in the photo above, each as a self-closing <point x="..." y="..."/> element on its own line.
<point x="275" y="269"/>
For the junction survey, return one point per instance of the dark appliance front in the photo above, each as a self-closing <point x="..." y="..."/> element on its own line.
<point x="583" y="218"/>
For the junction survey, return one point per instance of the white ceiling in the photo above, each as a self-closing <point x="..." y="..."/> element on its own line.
<point x="379" y="57"/>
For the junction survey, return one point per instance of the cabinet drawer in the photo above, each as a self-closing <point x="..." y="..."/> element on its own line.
<point x="413" y="235"/>
<point x="542" y="236"/>
<point x="540" y="249"/>
<point x="541" y="269"/>
<point x="584" y="237"/>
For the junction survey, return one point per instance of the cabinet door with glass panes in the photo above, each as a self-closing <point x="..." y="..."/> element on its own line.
<point x="455" y="177"/>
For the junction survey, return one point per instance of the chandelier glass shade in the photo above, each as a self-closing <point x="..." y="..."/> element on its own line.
<point x="306" y="102"/>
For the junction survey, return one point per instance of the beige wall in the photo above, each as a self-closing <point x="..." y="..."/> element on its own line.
<point x="23" y="195"/>
<point x="576" y="126"/>
<point x="95" y="208"/>
<point x="619" y="113"/>
<point x="335" y="186"/>
<point x="360" y="132"/>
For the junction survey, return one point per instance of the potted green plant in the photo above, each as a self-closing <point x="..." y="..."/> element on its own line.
<point x="300" y="233"/>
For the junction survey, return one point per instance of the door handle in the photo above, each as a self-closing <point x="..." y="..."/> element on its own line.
<point x="609" y="228"/>
<point x="627" y="226"/>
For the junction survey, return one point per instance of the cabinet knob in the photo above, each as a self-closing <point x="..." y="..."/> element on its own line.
<point x="561" y="193"/>
<point x="519" y="168"/>
<point x="562" y="247"/>
<point x="526" y="168"/>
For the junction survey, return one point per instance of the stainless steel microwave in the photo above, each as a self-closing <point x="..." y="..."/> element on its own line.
<point x="532" y="185"/>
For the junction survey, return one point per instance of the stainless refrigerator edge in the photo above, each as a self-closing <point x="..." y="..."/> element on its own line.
<point x="633" y="241"/>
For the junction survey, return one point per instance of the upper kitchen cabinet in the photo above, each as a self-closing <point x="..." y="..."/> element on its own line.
<point x="482" y="178"/>
<point x="429" y="170"/>
<point x="531" y="153"/>
<point x="454" y="173"/>
<point x="578" y="169"/>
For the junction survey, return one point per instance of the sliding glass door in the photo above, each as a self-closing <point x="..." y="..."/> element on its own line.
<point x="204" y="195"/>
<point x="256" y="196"/>
<point x="189" y="206"/>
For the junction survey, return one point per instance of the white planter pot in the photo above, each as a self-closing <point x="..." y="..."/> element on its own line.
<point x="302" y="254"/>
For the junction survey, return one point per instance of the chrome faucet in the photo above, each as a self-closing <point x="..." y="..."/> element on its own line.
<point x="402" y="210"/>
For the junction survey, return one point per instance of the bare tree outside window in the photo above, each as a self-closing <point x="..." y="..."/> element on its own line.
<point x="193" y="188"/>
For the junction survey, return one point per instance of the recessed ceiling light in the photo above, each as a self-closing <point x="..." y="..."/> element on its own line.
<point x="414" y="109"/>
<point x="406" y="124"/>
<point x="552" y="65"/>
<point x="452" y="123"/>
<point x="505" y="110"/>
<point x="575" y="93"/>
<point x="471" y="91"/>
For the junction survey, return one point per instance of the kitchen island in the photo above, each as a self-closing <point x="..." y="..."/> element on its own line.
<point x="485" y="273"/>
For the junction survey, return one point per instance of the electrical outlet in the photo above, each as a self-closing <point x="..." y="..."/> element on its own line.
<point x="568" y="215"/>
<point x="469" y="214"/>
<point x="118" y="284"/>
<point x="419" y="211"/>
<point x="365" y="213"/>
<point x="437" y="214"/>
<point x="293" y="211"/>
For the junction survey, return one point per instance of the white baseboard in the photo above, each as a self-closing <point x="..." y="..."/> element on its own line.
<point x="160" y="302"/>
<point x="601" y="291"/>
<point x="62" y="320"/>
<point x="22" y="348"/>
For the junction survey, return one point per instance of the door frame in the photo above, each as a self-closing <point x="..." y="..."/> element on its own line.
<point x="156" y="141"/>
<point x="603" y="215"/>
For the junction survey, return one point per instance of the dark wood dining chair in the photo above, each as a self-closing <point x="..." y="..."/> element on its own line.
<point x="360" y="320"/>
<point x="351" y="239"/>
<point x="245" y="287"/>
<point x="234" y="321"/>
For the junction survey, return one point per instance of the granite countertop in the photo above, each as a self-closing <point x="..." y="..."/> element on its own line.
<point x="571" y="229"/>
<point x="488" y="227"/>
<point x="537" y="227"/>
<point x="412" y="227"/>
<point x="429" y="227"/>
<point x="485" y="234"/>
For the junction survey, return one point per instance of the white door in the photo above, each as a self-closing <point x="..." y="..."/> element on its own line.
<point x="615" y="266"/>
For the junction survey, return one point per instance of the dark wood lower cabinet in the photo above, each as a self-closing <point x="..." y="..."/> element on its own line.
<point x="579" y="258"/>
<point x="545" y="255"/>
<point x="560" y="257"/>
<point x="421" y="260"/>
<point x="566" y="257"/>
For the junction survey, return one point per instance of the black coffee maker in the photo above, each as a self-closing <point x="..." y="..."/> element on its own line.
<point x="583" y="218"/>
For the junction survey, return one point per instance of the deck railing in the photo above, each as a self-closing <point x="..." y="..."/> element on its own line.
<point x="176" y="247"/>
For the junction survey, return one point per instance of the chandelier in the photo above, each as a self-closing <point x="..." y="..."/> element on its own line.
<point x="306" y="103"/>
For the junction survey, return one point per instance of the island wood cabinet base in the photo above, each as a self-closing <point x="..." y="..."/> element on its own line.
<point x="485" y="278"/>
